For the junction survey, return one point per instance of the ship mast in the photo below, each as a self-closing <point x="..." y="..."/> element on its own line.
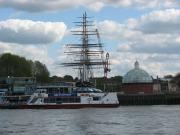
<point x="87" y="51"/>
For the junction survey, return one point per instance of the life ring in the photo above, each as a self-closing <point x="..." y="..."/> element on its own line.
<point x="38" y="94"/>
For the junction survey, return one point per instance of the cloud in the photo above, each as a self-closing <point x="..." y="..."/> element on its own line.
<point x="40" y="6"/>
<point x="15" y="14"/>
<point x="154" y="64"/>
<point x="29" y="32"/>
<point x="161" y="22"/>
<point x="34" y="53"/>
<point x="156" y="32"/>
<point x="28" y="51"/>
<point x="169" y="3"/>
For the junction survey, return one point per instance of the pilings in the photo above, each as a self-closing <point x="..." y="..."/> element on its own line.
<point x="149" y="99"/>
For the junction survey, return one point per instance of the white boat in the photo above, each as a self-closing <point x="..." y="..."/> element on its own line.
<point x="41" y="100"/>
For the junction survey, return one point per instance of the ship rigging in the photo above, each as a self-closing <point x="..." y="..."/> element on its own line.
<point x="90" y="55"/>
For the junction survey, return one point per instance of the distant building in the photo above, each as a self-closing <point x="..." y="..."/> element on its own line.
<point x="164" y="85"/>
<point x="28" y="85"/>
<point x="16" y="85"/>
<point x="137" y="81"/>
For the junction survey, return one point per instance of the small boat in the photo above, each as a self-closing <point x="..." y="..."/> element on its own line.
<point x="41" y="100"/>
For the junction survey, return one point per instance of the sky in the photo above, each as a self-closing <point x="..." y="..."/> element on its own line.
<point x="144" y="30"/>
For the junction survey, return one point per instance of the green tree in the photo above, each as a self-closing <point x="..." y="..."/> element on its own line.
<point x="76" y="78"/>
<point x="13" y="65"/>
<point x="55" y="79"/>
<point x="168" y="76"/>
<point x="68" y="78"/>
<point x="100" y="83"/>
<point x="116" y="78"/>
<point x="118" y="87"/>
<point x="176" y="79"/>
<point x="40" y="71"/>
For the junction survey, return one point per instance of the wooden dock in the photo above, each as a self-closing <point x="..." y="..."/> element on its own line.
<point x="150" y="99"/>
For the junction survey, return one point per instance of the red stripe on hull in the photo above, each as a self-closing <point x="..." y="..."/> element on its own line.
<point x="25" y="106"/>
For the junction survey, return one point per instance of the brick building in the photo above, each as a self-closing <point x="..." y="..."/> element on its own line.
<point x="137" y="81"/>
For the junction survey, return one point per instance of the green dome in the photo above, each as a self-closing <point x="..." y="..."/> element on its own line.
<point x="137" y="75"/>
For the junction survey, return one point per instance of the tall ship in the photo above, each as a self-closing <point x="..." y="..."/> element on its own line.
<point x="88" y="57"/>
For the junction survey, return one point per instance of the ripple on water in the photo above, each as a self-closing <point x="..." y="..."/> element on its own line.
<point x="92" y="121"/>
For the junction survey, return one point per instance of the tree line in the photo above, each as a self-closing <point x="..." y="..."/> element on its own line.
<point x="16" y="66"/>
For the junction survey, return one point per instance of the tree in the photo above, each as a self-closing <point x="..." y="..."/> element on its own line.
<point x="76" y="78"/>
<point x="55" y="79"/>
<point x="68" y="78"/>
<point x="16" y="66"/>
<point x="13" y="65"/>
<point x="118" y="87"/>
<point x="100" y="83"/>
<point x="168" y="76"/>
<point x="176" y="79"/>
<point x="39" y="71"/>
<point x="116" y="78"/>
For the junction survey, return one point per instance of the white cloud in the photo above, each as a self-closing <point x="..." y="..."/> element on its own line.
<point x="153" y="40"/>
<point x="156" y="32"/>
<point x="15" y="14"/>
<point x="29" y="32"/>
<point x="154" y="64"/>
<point x="28" y="51"/>
<point x="40" y="6"/>
<point x="34" y="53"/>
<point x="169" y="3"/>
<point x="144" y="4"/>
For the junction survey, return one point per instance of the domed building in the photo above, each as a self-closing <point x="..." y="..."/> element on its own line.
<point x="137" y="81"/>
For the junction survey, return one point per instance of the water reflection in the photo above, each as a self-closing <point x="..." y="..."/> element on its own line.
<point x="100" y="121"/>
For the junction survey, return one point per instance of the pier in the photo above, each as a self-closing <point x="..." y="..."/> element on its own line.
<point x="150" y="99"/>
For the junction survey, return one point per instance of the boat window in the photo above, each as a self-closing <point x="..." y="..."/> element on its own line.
<point x="46" y="100"/>
<point x="28" y="100"/>
<point x="52" y="100"/>
<point x="71" y="99"/>
<point x="77" y="100"/>
<point x="65" y="99"/>
<point x="96" y="98"/>
<point x="58" y="99"/>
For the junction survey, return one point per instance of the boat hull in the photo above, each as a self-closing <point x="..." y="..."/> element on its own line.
<point x="25" y="106"/>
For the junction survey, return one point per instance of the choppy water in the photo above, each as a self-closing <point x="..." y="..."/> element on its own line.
<point x="92" y="121"/>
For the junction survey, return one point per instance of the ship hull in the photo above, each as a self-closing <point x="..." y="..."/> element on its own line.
<point x="69" y="106"/>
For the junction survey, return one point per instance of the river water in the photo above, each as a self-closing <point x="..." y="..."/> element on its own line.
<point x="161" y="119"/>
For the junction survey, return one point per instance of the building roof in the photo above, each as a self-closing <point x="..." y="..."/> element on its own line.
<point x="137" y="75"/>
